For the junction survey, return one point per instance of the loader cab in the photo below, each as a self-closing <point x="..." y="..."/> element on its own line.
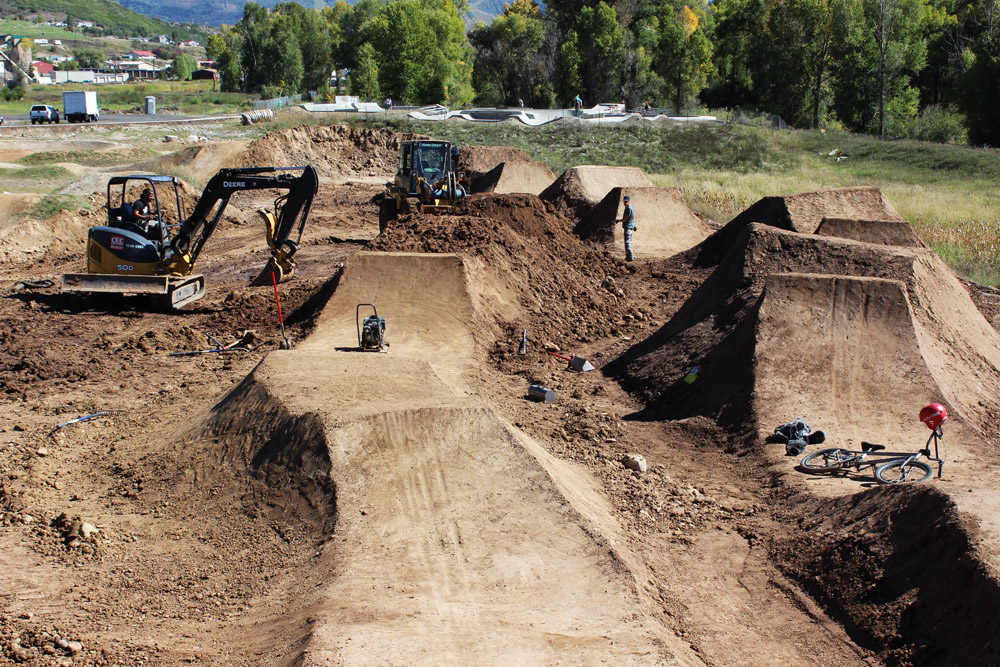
<point x="427" y="160"/>
<point x="124" y="190"/>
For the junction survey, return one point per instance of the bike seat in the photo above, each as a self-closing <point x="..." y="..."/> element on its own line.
<point x="871" y="447"/>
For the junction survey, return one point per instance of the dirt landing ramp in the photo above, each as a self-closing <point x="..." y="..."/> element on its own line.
<point x="883" y="232"/>
<point x="666" y="226"/>
<point x="805" y="211"/>
<point x="801" y="212"/>
<point x="503" y="170"/>
<point x="515" y="177"/>
<point x="580" y="189"/>
<point x="842" y="353"/>
<point x="457" y="541"/>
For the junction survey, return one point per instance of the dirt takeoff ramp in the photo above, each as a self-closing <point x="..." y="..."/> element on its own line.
<point x="666" y="226"/>
<point x="842" y="353"/>
<point x="455" y="543"/>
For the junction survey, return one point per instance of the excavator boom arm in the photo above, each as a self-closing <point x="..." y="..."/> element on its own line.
<point x="291" y="208"/>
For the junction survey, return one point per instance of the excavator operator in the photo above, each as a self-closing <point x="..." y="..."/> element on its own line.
<point x="141" y="211"/>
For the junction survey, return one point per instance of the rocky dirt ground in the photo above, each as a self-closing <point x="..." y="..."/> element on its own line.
<point x="109" y="559"/>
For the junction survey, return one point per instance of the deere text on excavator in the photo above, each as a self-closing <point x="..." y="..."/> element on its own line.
<point x="146" y="255"/>
<point x="427" y="175"/>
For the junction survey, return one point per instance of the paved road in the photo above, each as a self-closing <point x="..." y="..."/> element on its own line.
<point x="121" y="119"/>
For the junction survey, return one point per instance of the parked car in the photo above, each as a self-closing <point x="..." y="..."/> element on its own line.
<point x="44" y="113"/>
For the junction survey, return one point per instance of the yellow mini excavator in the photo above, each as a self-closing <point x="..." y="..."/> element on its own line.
<point x="146" y="255"/>
<point x="426" y="175"/>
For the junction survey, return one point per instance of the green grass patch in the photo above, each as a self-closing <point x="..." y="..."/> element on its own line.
<point x="38" y="173"/>
<point x="50" y="205"/>
<point x="89" y="158"/>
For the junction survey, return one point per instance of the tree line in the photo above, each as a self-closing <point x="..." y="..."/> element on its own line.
<point x="922" y="68"/>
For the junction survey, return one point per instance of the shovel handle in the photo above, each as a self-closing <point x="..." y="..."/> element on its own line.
<point x="559" y="356"/>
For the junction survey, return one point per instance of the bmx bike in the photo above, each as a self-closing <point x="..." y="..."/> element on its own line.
<point x="889" y="467"/>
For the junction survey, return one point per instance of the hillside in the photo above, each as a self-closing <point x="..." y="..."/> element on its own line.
<point x="218" y="12"/>
<point x="112" y="17"/>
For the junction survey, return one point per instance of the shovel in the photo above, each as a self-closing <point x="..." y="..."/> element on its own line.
<point x="576" y="363"/>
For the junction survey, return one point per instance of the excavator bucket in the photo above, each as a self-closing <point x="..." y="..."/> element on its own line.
<point x="281" y="266"/>
<point x="282" y="269"/>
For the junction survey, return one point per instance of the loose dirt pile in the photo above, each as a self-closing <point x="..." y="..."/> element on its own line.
<point x="336" y="152"/>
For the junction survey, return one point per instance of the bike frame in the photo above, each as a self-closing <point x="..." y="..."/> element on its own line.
<point x="873" y="456"/>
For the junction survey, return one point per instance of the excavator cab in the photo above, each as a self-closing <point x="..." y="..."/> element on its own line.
<point x="123" y="191"/>
<point x="426" y="174"/>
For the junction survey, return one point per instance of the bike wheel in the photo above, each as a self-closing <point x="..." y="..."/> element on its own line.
<point x="895" y="472"/>
<point x="826" y="460"/>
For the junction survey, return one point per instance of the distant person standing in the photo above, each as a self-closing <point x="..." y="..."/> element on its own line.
<point x="388" y="104"/>
<point x="628" y="226"/>
<point x="520" y="102"/>
<point x="577" y="104"/>
<point x="622" y="92"/>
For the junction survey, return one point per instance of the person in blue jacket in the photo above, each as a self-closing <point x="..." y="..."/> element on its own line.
<point x="628" y="226"/>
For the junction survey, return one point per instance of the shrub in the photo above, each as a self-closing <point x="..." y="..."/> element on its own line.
<point x="940" y="124"/>
<point x="12" y="94"/>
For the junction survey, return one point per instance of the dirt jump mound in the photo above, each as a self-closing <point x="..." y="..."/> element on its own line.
<point x="923" y="309"/>
<point x="24" y="239"/>
<point x="803" y="212"/>
<point x="199" y="162"/>
<point x="666" y="226"/>
<point x="884" y="232"/>
<point x="572" y="290"/>
<point x="897" y="564"/>
<point x="503" y="170"/>
<point x="580" y="189"/>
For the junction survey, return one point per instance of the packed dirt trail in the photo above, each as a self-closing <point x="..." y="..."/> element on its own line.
<point x="453" y="544"/>
<point x="323" y="505"/>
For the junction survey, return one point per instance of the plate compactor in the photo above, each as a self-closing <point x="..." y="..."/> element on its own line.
<point x="371" y="331"/>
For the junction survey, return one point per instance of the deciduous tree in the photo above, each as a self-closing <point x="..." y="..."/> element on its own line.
<point x="685" y="57"/>
<point x="182" y="67"/>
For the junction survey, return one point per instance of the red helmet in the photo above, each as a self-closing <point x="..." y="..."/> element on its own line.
<point x="933" y="415"/>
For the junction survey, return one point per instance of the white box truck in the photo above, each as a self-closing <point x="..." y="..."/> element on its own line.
<point x="80" y="106"/>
